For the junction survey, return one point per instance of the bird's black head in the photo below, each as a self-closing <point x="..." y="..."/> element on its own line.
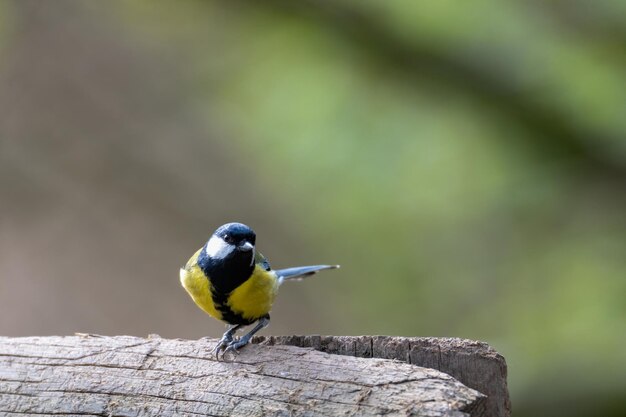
<point x="227" y="259"/>
<point x="230" y="246"/>
<point x="236" y="234"/>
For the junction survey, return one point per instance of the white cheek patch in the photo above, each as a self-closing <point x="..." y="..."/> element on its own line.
<point x="217" y="248"/>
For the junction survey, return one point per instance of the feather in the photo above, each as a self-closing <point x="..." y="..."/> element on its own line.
<point x="300" y="272"/>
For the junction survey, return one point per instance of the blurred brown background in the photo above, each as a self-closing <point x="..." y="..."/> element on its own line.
<point x="465" y="163"/>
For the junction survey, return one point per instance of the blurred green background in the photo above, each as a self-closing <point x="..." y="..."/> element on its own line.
<point x="465" y="163"/>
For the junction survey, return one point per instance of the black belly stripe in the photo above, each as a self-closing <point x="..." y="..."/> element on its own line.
<point x="228" y="315"/>
<point x="225" y="276"/>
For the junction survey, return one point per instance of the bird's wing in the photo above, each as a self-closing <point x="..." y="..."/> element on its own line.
<point x="300" y="272"/>
<point x="261" y="260"/>
<point x="192" y="261"/>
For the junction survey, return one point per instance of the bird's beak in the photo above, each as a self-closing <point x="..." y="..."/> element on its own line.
<point x="245" y="247"/>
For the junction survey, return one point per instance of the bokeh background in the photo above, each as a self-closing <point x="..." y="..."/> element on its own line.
<point x="465" y="162"/>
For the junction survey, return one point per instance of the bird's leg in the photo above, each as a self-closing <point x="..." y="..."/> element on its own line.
<point x="244" y="340"/>
<point x="226" y="339"/>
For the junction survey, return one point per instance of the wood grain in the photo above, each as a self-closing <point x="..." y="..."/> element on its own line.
<point x="131" y="376"/>
<point x="475" y="364"/>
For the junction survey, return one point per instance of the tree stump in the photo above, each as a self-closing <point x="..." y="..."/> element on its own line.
<point x="475" y="364"/>
<point x="130" y="376"/>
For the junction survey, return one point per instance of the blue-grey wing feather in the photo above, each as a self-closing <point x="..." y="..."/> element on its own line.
<point x="301" y="271"/>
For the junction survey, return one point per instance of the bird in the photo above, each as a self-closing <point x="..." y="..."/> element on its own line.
<point x="233" y="282"/>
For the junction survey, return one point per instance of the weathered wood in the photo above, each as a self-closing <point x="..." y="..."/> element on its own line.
<point x="475" y="364"/>
<point x="130" y="376"/>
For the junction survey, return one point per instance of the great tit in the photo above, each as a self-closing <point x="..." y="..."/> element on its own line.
<point x="231" y="281"/>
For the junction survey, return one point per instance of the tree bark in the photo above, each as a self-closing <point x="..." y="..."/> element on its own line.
<point x="131" y="376"/>
<point x="475" y="364"/>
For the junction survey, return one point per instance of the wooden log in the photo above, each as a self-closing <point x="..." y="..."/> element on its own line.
<point x="130" y="376"/>
<point x="475" y="364"/>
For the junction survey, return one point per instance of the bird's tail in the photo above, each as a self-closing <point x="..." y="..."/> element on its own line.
<point x="301" y="272"/>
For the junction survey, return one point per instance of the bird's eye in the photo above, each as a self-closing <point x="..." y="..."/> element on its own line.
<point x="228" y="239"/>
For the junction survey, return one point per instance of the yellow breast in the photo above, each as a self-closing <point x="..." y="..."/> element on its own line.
<point x="198" y="287"/>
<point x="254" y="298"/>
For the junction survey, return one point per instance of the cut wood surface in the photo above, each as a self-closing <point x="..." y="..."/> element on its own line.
<point x="131" y="376"/>
<point x="475" y="364"/>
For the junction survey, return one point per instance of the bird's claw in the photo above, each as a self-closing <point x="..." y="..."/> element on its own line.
<point x="230" y="348"/>
<point x="222" y="345"/>
<point x="229" y="344"/>
<point x="233" y="346"/>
